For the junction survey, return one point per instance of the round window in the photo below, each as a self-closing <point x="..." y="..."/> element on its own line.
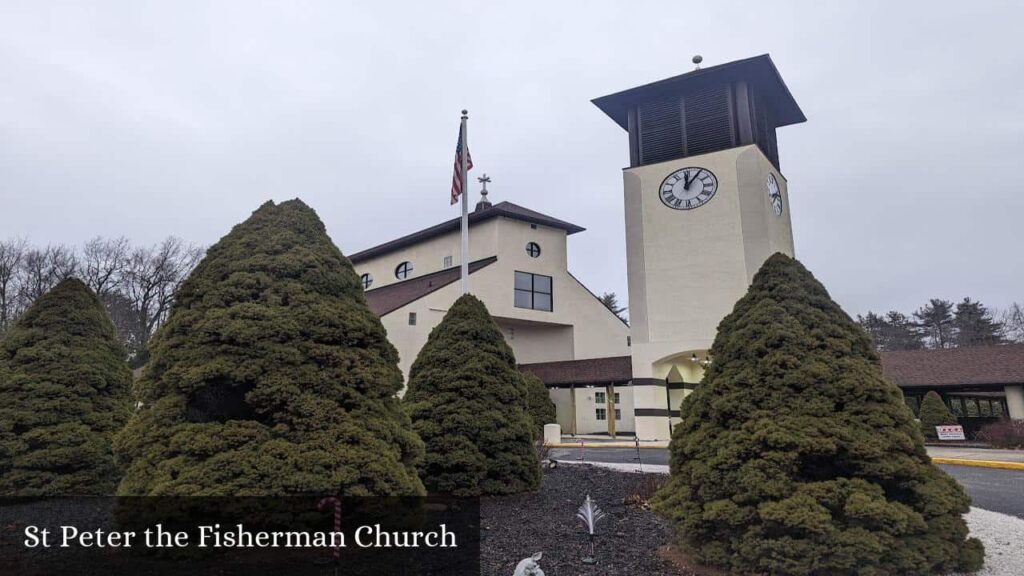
<point x="367" y="280"/>
<point x="533" y="249"/>
<point x="403" y="270"/>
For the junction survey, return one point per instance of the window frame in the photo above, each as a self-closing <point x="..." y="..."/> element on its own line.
<point x="533" y="291"/>
<point x="602" y="397"/>
<point x="601" y="414"/>
<point x="404" y="270"/>
<point x="530" y="246"/>
<point x="366" y="279"/>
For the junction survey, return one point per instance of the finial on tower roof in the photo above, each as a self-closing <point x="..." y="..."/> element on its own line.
<point x="484" y="203"/>
<point x="697" y="59"/>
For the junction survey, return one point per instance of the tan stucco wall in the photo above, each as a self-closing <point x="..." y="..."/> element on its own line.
<point x="428" y="256"/>
<point x="579" y="326"/>
<point x="687" y="268"/>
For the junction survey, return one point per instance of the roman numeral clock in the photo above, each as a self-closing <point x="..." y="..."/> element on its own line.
<point x="706" y="204"/>
<point x="688" y="188"/>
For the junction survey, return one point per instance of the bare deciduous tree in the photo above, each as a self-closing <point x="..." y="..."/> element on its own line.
<point x="151" y="278"/>
<point x="43" y="268"/>
<point x="103" y="264"/>
<point x="1013" y="322"/>
<point x="12" y="254"/>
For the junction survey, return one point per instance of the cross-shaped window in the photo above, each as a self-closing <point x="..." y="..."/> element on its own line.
<point x="403" y="271"/>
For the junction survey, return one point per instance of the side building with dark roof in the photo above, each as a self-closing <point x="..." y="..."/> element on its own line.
<point x="519" y="268"/>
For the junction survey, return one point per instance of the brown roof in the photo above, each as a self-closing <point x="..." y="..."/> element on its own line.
<point x="506" y="209"/>
<point x="974" y="366"/>
<point x="594" y="370"/>
<point x="393" y="296"/>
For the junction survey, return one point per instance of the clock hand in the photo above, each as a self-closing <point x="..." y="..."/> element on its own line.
<point x="689" y="180"/>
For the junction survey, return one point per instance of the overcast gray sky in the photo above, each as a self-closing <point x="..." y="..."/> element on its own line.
<point x="152" y="118"/>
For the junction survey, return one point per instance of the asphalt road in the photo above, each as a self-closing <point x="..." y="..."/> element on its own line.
<point x="989" y="488"/>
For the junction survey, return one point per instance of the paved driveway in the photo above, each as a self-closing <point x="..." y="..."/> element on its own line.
<point x="991" y="489"/>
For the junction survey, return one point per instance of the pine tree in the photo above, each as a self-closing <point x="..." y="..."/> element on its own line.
<point x="934" y="413"/>
<point x="894" y="331"/>
<point x="271" y="376"/>
<point x="467" y="401"/>
<point x="796" y="457"/>
<point x="65" y="390"/>
<point x="538" y="403"/>
<point x="974" y="325"/>
<point x="935" y="321"/>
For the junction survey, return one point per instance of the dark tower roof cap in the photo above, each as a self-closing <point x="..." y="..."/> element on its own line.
<point x="759" y="70"/>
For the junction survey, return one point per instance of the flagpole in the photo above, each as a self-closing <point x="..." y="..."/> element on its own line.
<point x="465" y="208"/>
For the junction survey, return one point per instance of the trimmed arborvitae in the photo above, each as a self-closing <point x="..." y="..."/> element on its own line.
<point x="467" y="402"/>
<point x="934" y="413"/>
<point x="538" y="404"/>
<point x="271" y="376"/>
<point x="796" y="457"/>
<point x="65" y="389"/>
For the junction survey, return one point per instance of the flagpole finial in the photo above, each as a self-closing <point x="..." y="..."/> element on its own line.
<point x="465" y="114"/>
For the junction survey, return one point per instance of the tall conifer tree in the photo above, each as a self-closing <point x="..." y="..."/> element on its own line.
<point x="796" y="457"/>
<point x="271" y="376"/>
<point x="467" y="401"/>
<point x="65" y="390"/>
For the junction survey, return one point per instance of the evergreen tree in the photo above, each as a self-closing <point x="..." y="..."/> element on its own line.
<point x="894" y="331"/>
<point x="876" y="327"/>
<point x="935" y="321"/>
<point x="271" y="376"/>
<point x="467" y="401"/>
<point x="796" y="457"/>
<point x="934" y="413"/>
<point x="901" y="332"/>
<point x="538" y="403"/>
<point x="64" y="391"/>
<point x="974" y="325"/>
<point x="611" y="302"/>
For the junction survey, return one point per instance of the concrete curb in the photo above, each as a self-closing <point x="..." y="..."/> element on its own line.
<point x="980" y="463"/>
<point x="595" y="445"/>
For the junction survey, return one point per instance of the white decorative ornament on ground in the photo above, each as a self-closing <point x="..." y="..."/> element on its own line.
<point x="529" y="566"/>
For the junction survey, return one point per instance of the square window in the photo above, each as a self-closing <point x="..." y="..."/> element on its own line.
<point x="533" y="291"/>
<point x="618" y="414"/>
<point x="985" y="407"/>
<point x="956" y="406"/>
<point x="997" y="408"/>
<point x="601" y="414"/>
<point x="972" y="407"/>
<point x="599" y="398"/>
<point x="447" y="262"/>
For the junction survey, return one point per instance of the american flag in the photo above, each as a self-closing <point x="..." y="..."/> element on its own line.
<point x="457" y="177"/>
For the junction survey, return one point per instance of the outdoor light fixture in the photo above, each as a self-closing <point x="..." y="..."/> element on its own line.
<point x="705" y="362"/>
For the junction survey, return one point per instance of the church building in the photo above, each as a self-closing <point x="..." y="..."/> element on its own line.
<point x="705" y="204"/>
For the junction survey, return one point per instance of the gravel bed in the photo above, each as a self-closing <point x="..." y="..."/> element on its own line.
<point x="1002" y="534"/>
<point x="627" y="542"/>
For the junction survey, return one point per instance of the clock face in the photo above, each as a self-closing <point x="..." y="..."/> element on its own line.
<point x="688" y="188"/>
<point x="774" y="194"/>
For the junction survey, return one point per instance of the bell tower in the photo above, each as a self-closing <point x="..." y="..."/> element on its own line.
<point x="706" y="204"/>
